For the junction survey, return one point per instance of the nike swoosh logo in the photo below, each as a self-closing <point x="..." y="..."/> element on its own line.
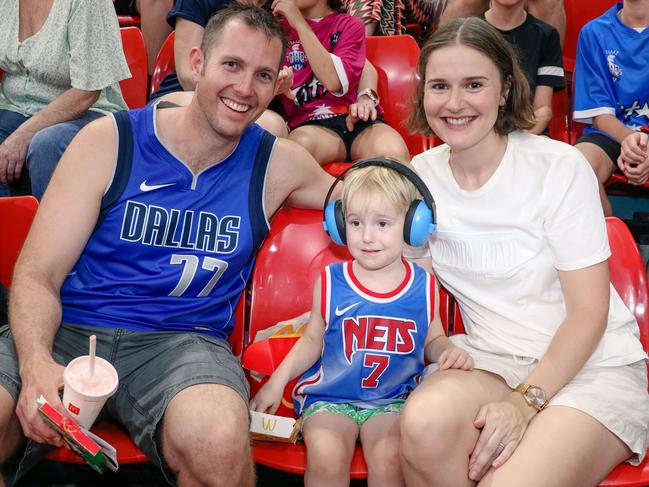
<point x="146" y="187"/>
<point x="340" y="312"/>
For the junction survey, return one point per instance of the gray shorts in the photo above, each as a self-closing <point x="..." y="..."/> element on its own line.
<point x="152" y="366"/>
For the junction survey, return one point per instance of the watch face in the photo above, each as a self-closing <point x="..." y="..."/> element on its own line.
<point x="536" y="396"/>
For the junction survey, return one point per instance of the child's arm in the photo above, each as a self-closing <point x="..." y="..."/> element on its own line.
<point x="542" y="108"/>
<point x="440" y="349"/>
<point x="319" y="58"/>
<point x="302" y="356"/>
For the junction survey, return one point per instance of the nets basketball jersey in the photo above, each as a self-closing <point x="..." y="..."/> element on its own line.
<point x="373" y="345"/>
<point x="172" y="250"/>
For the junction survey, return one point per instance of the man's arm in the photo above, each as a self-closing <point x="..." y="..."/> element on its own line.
<point x="63" y="223"/>
<point x="294" y="176"/>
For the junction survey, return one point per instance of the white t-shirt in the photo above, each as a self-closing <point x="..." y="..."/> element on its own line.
<point x="499" y="248"/>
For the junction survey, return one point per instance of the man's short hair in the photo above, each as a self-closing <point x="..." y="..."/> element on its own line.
<point x="255" y="17"/>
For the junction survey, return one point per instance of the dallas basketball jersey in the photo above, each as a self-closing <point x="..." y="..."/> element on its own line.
<point x="172" y="250"/>
<point x="373" y="344"/>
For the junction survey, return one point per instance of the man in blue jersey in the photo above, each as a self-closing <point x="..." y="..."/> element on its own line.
<point x="612" y="93"/>
<point x="145" y="238"/>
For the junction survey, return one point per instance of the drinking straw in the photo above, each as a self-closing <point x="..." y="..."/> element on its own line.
<point x="93" y="347"/>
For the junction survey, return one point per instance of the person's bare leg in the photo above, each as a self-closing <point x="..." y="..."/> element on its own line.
<point x="323" y="144"/>
<point x="154" y="26"/>
<point x="205" y="437"/>
<point x="10" y="432"/>
<point x="550" y="11"/>
<point x="577" y="451"/>
<point x="603" y="167"/>
<point x="380" y="438"/>
<point x="380" y="140"/>
<point x="437" y="432"/>
<point x="330" y="441"/>
<point x="462" y="8"/>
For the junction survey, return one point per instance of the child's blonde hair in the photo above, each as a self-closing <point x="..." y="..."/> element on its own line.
<point x="396" y="188"/>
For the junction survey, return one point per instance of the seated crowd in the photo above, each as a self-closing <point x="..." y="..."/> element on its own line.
<point x="147" y="234"/>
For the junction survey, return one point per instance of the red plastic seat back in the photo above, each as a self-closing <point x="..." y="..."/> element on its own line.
<point x="578" y="13"/>
<point x="560" y="122"/>
<point x="134" y="88"/>
<point x="628" y="274"/>
<point x="164" y="63"/>
<point x="288" y="263"/>
<point x="128" y="20"/>
<point x="395" y="59"/>
<point x="16" y="216"/>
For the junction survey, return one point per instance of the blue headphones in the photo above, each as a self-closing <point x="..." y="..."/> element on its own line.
<point x="420" y="217"/>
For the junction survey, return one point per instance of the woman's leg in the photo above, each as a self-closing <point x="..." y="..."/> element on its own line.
<point x="330" y="441"/>
<point x="562" y="446"/>
<point x="380" y="140"/>
<point x="47" y="147"/>
<point x="437" y="432"/>
<point x="380" y="439"/>
<point x="323" y="144"/>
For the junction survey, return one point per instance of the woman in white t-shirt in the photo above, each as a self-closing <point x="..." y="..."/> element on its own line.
<point x="558" y="395"/>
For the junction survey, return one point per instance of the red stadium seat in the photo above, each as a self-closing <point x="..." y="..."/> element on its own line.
<point x="395" y="59"/>
<point x="134" y="88"/>
<point x="578" y="13"/>
<point x="629" y="277"/>
<point x="164" y="63"/>
<point x="128" y="20"/>
<point x="16" y="216"/>
<point x="559" y="125"/>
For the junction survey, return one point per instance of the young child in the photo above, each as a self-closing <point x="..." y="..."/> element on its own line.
<point x="539" y="53"/>
<point x="612" y="93"/>
<point x="374" y="322"/>
<point x="326" y="51"/>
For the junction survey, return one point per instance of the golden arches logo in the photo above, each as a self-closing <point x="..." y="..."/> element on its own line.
<point x="270" y="426"/>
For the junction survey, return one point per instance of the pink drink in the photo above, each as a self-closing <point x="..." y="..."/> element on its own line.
<point x="84" y="395"/>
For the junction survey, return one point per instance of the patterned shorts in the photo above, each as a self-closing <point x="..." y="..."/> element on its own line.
<point x="357" y="414"/>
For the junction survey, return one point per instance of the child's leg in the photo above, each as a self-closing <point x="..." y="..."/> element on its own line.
<point x="330" y="441"/>
<point x="323" y="144"/>
<point x="380" y="438"/>
<point x="379" y="140"/>
<point x="602" y="164"/>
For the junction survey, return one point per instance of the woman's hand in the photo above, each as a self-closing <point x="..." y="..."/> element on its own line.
<point x="503" y="425"/>
<point x="269" y="397"/>
<point x="363" y="109"/>
<point x="455" y="358"/>
<point x="13" y="152"/>
<point x="288" y="10"/>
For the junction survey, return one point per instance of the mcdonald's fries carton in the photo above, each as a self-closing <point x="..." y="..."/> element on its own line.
<point x="269" y="427"/>
<point x="96" y="452"/>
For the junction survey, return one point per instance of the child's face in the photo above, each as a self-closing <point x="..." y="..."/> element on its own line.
<point x="374" y="231"/>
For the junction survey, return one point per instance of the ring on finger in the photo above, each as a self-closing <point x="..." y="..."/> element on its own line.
<point x="501" y="447"/>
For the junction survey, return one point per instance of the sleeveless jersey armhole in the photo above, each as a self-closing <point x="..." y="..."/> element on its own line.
<point x="256" y="210"/>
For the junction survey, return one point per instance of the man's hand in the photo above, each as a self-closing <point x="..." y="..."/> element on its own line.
<point x="13" y="152"/>
<point x="269" y="397"/>
<point x="363" y="109"/>
<point x="39" y="377"/>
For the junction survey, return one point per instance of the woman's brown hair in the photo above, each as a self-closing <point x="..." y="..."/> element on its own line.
<point x="517" y="114"/>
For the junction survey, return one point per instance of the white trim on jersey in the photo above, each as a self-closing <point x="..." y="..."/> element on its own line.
<point x="586" y="116"/>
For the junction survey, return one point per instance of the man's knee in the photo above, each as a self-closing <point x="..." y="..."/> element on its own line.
<point x="206" y="439"/>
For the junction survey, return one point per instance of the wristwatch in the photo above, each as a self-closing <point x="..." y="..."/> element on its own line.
<point x="534" y="395"/>
<point x="371" y="94"/>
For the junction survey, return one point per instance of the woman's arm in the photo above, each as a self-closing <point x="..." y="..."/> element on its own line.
<point x="69" y="105"/>
<point x="319" y="58"/>
<point x="586" y="293"/>
<point x="302" y="356"/>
